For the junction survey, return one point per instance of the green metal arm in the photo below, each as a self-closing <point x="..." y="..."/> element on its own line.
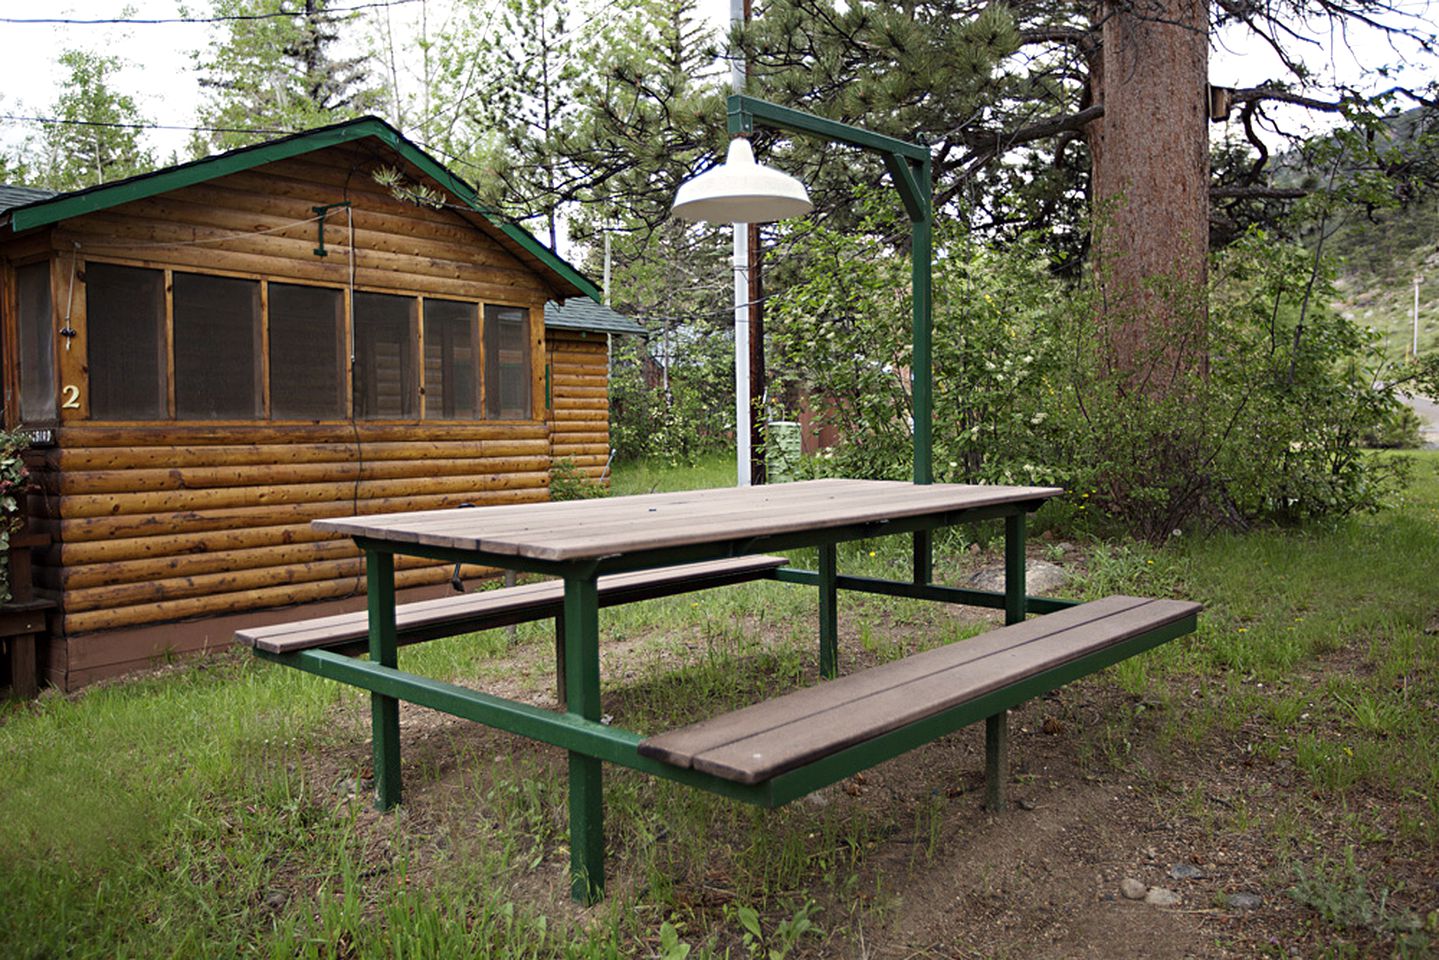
<point x="743" y="111"/>
<point x="909" y="166"/>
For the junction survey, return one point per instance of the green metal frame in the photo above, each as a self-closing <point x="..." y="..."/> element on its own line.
<point x="54" y="209"/>
<point x="578" y="730"/>
<point x="610" y="744"/>
<point x="909" y="166"/>
<point x="591" y="743"/>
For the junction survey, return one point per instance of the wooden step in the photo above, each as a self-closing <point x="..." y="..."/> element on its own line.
<point x="465" y="613"/>
<point x="757" y="743"/>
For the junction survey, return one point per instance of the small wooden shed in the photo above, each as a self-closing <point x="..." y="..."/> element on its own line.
<point x="212" y="355"/>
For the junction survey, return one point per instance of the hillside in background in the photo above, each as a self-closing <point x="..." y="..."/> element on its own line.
<point x="1380" y="254"/>
<point x="1378" y="261"/>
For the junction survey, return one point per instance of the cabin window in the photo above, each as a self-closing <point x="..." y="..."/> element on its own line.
<point x="125" y="321"/>
<point x="217" y="347"/>
<point x="507" y="363"/>
<point x="386" y="375"/>
<point x="307" y="352"/>
<point x="37" y="343"/>
<point x="451" y="361"/>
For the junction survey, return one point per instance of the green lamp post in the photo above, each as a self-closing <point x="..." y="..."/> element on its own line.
<point x="710" y="197"/>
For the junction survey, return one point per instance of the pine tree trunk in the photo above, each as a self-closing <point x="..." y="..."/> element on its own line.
<point x="1150" y="157"/>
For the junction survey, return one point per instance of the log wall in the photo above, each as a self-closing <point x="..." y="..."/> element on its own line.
<point x="224" y="524"/>
<point x="164" y="521"/>
<point x="579" y="386"/>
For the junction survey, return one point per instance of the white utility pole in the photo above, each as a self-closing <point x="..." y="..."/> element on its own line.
<point x="741" y="298"/>
<point x="1417" y="280"/>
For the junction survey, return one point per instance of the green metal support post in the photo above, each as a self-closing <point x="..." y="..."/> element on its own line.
<point x="828" y="611"/>
<point x="582" y="692"/>
<point x="1014" y="573"/>
<point x="384" y="711"/>
<point x="996" y="727"/>
<point x="909" y="166"/>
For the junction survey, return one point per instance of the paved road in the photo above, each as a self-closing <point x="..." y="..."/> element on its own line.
<point x="1428" y="412"/>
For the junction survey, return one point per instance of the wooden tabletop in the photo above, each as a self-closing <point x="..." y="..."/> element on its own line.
<point x="589" y="529"/>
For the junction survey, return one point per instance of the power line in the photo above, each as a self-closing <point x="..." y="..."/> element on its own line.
<point x="250" y="16"/>
<point x="140" y="126"/>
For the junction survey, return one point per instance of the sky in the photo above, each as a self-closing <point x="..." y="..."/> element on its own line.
<point x="160" y="67"/>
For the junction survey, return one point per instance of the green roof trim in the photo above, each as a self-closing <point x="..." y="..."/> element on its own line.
<point x="77" y="203"/>
<point x="578" y="313"/>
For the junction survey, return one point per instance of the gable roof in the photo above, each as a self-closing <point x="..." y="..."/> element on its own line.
<point x="582" y="314"/>
<point x="41" y="207"/>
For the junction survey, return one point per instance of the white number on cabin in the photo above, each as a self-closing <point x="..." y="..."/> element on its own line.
<point x="72" y="397"/>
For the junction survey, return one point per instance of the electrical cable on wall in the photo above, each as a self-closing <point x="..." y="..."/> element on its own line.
<point x="68" y="331"/>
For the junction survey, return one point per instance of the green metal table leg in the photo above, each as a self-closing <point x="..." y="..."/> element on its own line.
<point x="582" y="694"/>
<point x="996" y="759"/>
<point x="561" y="696"/>
<point x="924" y="557"/>
<point x="1014" y="568"/>
<point x="828" y="611"/>
<point x="384" y="711"/>
<point x="996" y="728"/>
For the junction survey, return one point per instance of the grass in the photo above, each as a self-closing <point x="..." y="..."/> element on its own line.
<point x="203" y="812"/>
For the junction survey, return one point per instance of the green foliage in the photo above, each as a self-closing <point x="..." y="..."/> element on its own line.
<point x="14" y="478"/>
<point x="785" y="937"/>
<point x="505" y="95"/>
<point x="280" y="73"/>
<point x="694" y="417"/>
<point x="1339" y="893"/>
<point x="1271" y="428"/>
<point x="567" y="482"/>
<point x="652" y="116"/>
<point x="845" y="331"/>
<point x="83" y="152"/>
<point x="1399" y="430"/>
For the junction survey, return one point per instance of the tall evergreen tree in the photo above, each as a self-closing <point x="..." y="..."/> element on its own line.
<point x="281" y="73"/>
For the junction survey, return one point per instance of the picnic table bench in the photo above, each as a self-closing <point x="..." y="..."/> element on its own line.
<point x="769" y="753"/>
<point x="422" y="620"/>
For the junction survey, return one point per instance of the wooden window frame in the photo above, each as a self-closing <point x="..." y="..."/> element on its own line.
<point x="536" y="345"/>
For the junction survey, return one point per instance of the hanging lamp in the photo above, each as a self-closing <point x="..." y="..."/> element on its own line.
<point x="741" y="191"/>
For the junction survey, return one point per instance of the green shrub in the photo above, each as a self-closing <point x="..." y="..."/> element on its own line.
<point x="568" y="482"/>
<point x="1270" y="424"/>
<point x="695" y="417"/>
<point x="14" y="479"/>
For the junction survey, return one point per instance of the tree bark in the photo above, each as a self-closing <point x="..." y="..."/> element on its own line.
<point x="1150" y="158"/>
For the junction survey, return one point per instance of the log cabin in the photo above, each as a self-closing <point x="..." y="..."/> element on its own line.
<point x="212" y="355"/>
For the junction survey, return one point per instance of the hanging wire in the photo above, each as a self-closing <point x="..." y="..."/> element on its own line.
<point x="150" y="21"/>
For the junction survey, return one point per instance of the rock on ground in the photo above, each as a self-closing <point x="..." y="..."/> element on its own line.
<point x="1040" y="577"/>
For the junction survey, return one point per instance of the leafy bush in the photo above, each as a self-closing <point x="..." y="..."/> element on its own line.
<point x="568" y="482"/>
<point x="14" y="479"/>
<point x="1268" y="424"/>
<point x="697" y="414"/>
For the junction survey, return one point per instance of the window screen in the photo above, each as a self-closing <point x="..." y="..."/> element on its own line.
<point x="507" y="363"/>
<point x="451" y="365"/>
<point x="217" y="347"/>
<point x="37" y="344"/>
<point x="125" y="325"/>
<point x="307" y="353"/>
<point x="386" y="376"/>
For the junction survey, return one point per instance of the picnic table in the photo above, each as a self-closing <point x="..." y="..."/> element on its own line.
<point x="776" y="751"/>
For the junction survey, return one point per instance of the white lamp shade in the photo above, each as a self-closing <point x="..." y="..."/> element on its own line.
<point x="741" y="191"/>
